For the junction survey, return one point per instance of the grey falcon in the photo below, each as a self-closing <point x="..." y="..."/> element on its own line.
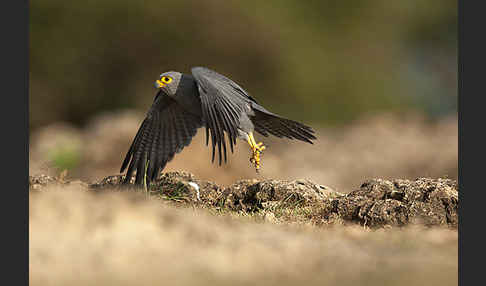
<point x="186" y="102"/>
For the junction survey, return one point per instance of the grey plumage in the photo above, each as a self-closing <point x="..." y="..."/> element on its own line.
<point x="207" y="99"/>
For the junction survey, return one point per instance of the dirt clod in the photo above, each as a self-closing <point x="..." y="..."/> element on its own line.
<point x="36" y="183"/>
<point x="40" y="182"/>
<point x="399" y="202"/>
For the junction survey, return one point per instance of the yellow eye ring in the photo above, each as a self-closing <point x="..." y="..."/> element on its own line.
<point x="166" y="79"/>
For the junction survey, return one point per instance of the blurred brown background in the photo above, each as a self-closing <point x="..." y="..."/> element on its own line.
<point x="376" y="79"/>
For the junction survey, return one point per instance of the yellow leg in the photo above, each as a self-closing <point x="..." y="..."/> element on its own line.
<point x="257" y="149"/>
<point x="257" y="146"/>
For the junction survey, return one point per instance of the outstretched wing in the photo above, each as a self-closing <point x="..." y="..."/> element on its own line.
<point x="267" y="122"/>
<point x="223" y="101"/>
<point x="166" y="130"/>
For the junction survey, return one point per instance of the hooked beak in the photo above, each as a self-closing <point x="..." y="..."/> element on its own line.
<point x="159" y="84"/>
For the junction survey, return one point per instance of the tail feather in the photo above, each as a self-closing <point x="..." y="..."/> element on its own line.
<point x="268" y="123"/>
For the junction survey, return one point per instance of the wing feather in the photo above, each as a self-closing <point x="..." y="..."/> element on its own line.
<point x="153" y="148"/>
<point x="222" y="103"/>
<point x="165" y="131"/>
<point x="139" y="148"/>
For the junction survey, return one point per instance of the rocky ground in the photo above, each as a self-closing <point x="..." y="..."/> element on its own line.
<point x="188" y="231"/>
<point x="376" y="203"/>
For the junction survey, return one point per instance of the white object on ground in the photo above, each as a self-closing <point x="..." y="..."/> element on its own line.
<point x="195" y="186"/>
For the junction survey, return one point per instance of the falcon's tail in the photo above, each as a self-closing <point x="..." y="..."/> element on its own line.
<point x="268" y="123"/>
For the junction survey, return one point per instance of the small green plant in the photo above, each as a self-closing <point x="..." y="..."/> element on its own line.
<point x="65" y="157"/>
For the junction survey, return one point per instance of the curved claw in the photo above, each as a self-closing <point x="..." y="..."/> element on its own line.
<point x="255" y="159"/>
<point x="260" y="147"/>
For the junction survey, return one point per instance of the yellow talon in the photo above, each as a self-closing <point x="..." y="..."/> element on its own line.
<point x="257" y="149"/>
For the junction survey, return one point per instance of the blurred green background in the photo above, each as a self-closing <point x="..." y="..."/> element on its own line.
<point x="326" y="62"/>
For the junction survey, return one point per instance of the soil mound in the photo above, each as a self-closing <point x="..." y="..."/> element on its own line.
<point x="377" y="203"/>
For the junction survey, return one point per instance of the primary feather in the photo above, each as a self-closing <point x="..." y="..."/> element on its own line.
<point x="166" y="130"/>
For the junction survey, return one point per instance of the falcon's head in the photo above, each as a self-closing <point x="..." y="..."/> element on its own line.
<point x="168" y="82"/>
